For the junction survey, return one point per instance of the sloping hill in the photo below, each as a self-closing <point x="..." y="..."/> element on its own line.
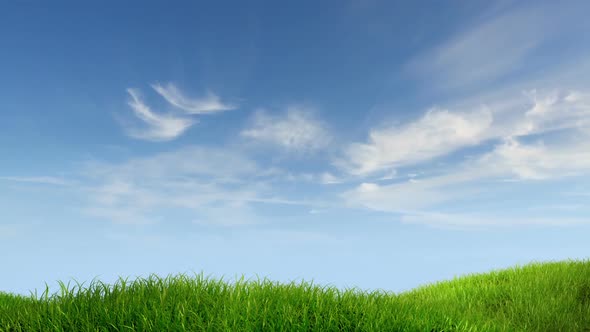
<point x="551" y="296"/>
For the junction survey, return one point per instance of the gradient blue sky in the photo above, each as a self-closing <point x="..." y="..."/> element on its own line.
<point x="369" y="144"/>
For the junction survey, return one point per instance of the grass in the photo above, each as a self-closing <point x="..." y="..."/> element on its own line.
<point x="552" y="296"/>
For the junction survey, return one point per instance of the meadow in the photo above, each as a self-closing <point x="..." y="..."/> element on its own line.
<point x="549" y="296"/>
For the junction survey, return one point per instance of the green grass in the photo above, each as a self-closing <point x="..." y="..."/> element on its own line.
<point x="552" y="296"/>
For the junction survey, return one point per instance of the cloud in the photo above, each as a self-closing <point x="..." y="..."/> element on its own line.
<point x="437" y="133"/>
<point x="166" y="127"/>
<point x="201" y="183"/>
<point x="555" y="111"/>
<point x="566" y="115"/>
<point x="38" y="179"/>
<point x="510" y="159"/>
<point x="192" y="178"/>
<point x="120" y="215"/>
<point x="160" y="127"/>
<point x="329" y="178"/>
<point x="538" y="161"/>
<point x="222" y="164"/>
<point x="296" y="130"/>
<point x="406" y="195"/>
<point x="211" y="103"/>
<point x="501" y="45"/>
<point x="487" y="51"/>
<point x="280" y="175"/>
<point x="540" y="139"/>
<point x="440" y="132"/>
<point x="463" y="221"/>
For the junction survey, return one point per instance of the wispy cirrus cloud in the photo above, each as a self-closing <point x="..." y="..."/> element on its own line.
<point x="211" y="103"/>
<point x="202" y="183"/>
<point x="295" y="130"/>
<point x="466" y="221"/>
<point x="503" y="44"/>
<point x="38" y="180"/>
<point x="170" y="125"/>
<point x="159" y="127"/>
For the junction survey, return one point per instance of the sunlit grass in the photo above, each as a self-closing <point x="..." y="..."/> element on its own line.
<point x="537" y="297"/>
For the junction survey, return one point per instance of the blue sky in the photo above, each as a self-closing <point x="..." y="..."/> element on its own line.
<point x="366" y="144"/>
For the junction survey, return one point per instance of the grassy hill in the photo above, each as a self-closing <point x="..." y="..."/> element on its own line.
<point x="551" y="296"/>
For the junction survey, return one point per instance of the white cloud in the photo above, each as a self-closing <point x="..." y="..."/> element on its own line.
<point x="193" y="178"/>
<point x="440" y="132"/>
<point x="329" y="178"/>
<point x="402" y="196"/>
<point x="510" y="159"/>
<point x="538" y="161"/>
<point x="437" y="133"/>
<point x="211" y="103"/>
<point x="120" y="215"/>
<point x="476" y="221"/>
<point x="204" y="183"/>
<point x="497" y="47"/>
<point x="389" y="175"/>
<point x="160" y="127"/>
<point x="367" y="187"/>
<point x="165" y="127"/>
<point x="542" y="139"/>
<point x="216" y="163"/>
<point x="556" y="111"/>
<point x="296" y="130"/>
<point x="547" y="157"/>
<point x="325" y="178"/>
<point x="37" y="179"/>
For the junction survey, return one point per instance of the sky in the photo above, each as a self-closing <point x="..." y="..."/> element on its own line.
<point x="376" y="145"/>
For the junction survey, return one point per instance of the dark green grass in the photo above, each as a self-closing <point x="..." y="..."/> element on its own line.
<point x="551" y="296"/>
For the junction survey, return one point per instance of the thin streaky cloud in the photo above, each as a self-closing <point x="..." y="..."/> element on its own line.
<point x="203" y="182"/>
<point x="119" y="215"/>
<point x="37" y="179"/>
<point x="160" y="127"/>
<point x="464" y="221"/>
<point x="498" y="47"/>
<point x="211" y="103"/>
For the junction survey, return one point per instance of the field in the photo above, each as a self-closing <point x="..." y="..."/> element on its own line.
<point x="550" y="296"/>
